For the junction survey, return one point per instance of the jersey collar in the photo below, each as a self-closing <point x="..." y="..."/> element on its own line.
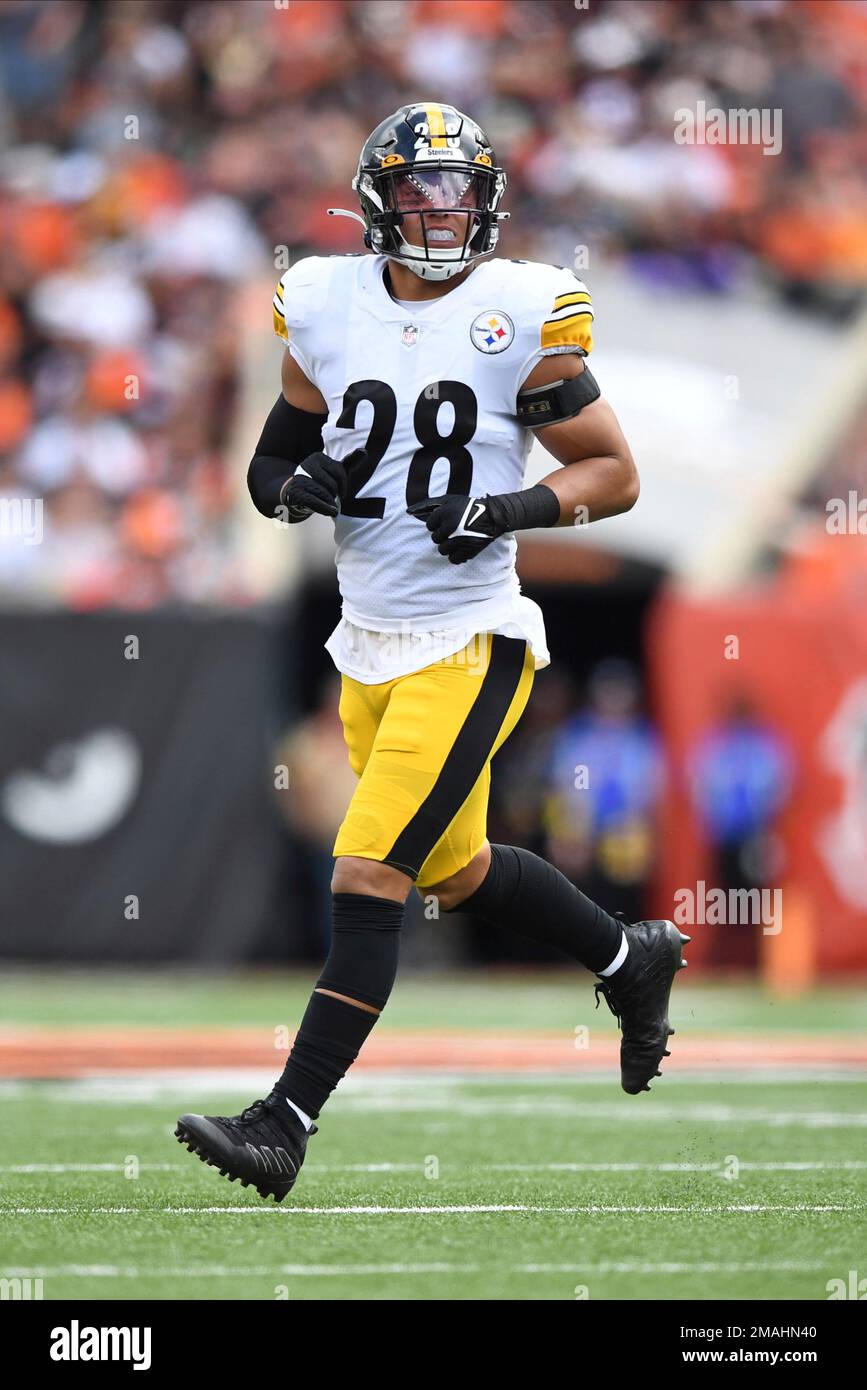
<point x="431" y="308"/>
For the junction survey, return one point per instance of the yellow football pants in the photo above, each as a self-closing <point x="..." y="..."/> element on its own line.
<point x="421" y="746"/>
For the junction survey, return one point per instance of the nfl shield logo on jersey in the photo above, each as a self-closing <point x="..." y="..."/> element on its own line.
<point x="409" y="334"/>
<point x="492" y="331"/>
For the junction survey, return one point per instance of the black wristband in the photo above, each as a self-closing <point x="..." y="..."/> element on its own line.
<point x="524" y="511"/>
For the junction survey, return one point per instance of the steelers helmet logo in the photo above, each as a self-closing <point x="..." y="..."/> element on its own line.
<point x="492" y="331"/>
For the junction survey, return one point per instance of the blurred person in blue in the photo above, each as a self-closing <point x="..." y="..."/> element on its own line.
<point x="606" y="778"/>
<point x="741" y="774"/>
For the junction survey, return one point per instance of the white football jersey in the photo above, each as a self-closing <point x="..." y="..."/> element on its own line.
<point x="429" y="390"/>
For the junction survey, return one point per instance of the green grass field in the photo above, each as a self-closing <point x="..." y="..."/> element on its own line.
<point x="440" y="1186"/>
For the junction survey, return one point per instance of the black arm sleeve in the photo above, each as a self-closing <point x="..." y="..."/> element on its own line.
<point x="290" y="436"/>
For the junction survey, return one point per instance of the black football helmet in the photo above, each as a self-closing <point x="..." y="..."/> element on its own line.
<point x="431" y="161"/>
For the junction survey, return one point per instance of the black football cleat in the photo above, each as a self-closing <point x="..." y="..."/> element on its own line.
<point x="264" y="1146"/>
<point x="638" y="993"/>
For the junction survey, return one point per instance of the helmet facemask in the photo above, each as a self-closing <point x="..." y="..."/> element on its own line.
<point x="448" y="207"/>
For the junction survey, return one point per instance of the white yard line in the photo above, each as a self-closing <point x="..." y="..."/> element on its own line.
<point x="75" y="1271"/>
<point x="844" y="1165"/>
<point x="794" y="1166"/>
<point x="88" y="1167"/>
<point x="660" y="1112"/>
<point x="458" y="1101"/>
<point x="509" y="1208"/>
<point x="155" y="1085"/>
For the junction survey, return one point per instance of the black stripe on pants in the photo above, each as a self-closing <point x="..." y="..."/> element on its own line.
<point x="466" y="757"/>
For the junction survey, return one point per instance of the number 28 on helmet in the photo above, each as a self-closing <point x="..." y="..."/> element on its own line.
<point x="429" y="190"/>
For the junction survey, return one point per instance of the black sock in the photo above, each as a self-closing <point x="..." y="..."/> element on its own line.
<point x="362" y="964"/>
<point x="529" y="895"/>
<point x="325" y="1046"/>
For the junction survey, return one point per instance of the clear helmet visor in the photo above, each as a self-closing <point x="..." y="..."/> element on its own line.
<point x="446" y="190"/>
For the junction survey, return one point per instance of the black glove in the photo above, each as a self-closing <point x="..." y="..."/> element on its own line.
<point x="462" y="527"/>
<point x="317" y="485"/>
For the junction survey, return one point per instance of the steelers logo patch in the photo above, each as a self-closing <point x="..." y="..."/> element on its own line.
<point x="492" y="331"/>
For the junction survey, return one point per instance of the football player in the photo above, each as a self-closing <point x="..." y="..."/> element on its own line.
<point x="414" y="381"/>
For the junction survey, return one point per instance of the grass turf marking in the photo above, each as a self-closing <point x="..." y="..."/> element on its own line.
<point x="438" y="1267"/>
<point x="794" y="1166"/>
<point x="504" y="1208"/>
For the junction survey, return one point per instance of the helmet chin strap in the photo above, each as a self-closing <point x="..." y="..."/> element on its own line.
<point x="428" y="267"/>
<point x="432" y="270"/>
<point x="425" y="270"/>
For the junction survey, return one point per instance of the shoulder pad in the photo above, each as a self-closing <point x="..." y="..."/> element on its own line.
<point x="557" y="311"/>
<point x="568" y="314"/>
<point x="301" y="293"/>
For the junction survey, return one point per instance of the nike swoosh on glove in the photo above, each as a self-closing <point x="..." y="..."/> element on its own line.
<point x="462" y="527"/>
<point x="318" y="484"/>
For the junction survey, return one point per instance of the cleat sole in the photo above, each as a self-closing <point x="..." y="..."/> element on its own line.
<point x="676" y="941"/>
<point x="184" y="1137"/>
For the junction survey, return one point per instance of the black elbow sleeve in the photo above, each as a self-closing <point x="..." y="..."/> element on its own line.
<point x="290" y="436"/>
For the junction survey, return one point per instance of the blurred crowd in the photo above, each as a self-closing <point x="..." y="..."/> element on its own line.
<point x="157" y="153"/>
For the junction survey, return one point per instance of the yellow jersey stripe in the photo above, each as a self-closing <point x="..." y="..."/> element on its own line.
<point x="569" y="311"/>
<point x="436" y="127"/>
<point x="567" y="322"/>
<point x="575" y="297"/>
<point x="280" y="325"/>
<point x="279" y="291"/>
